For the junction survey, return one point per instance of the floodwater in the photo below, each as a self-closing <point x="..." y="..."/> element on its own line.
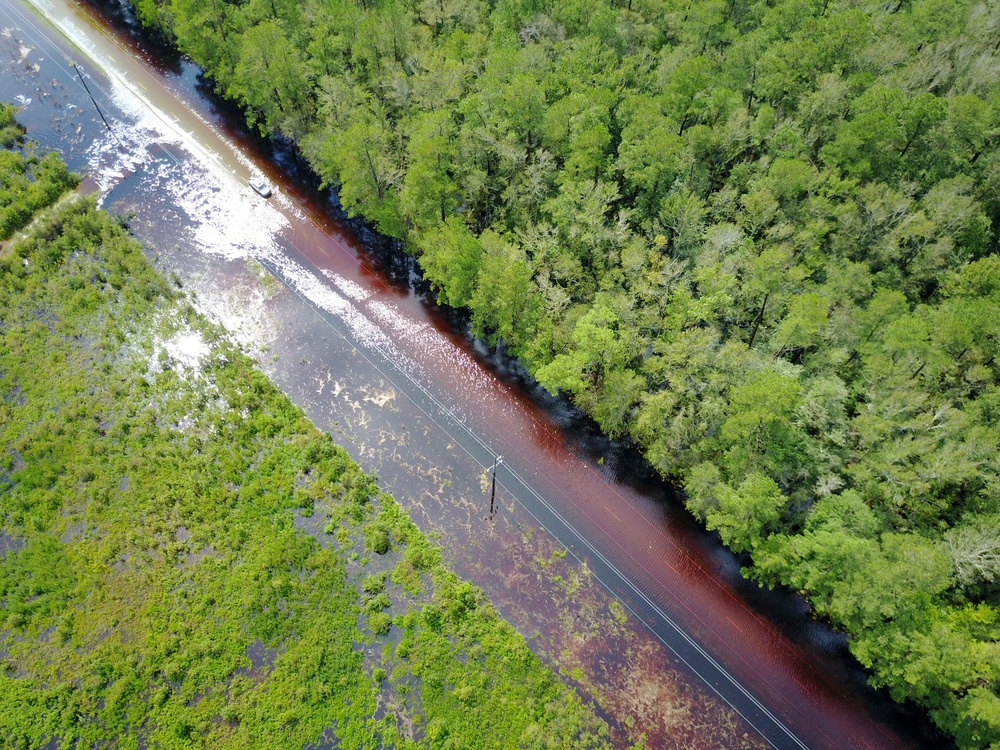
<point x="590" y="557"/>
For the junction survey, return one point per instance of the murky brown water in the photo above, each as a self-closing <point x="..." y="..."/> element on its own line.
<point x="597" y="564"/>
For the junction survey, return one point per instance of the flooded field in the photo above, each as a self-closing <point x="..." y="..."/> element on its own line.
<point x="590" y="557"/>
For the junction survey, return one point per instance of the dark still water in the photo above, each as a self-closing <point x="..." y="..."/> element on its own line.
<point x="590" y="557"/>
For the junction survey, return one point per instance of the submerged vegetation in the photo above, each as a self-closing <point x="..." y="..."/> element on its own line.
<point x="759" y="239"/>
<point x="27" y="182"/>
<point x="185" y="561"/>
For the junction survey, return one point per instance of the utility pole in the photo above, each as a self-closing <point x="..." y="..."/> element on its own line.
<point x="493" y="494"/>
<point x="87" y="89"/>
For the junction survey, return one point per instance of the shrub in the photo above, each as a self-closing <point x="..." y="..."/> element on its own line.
<point x="379" y="623"/>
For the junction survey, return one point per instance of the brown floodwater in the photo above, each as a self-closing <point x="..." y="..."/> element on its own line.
<point x="591" y="557"/>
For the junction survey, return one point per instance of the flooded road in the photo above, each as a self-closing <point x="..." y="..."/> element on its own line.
<point x="593" y="560"/>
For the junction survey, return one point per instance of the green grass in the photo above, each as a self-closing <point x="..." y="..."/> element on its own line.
<point x="155" y="504"/>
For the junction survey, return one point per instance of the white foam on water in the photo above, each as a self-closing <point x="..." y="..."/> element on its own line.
<point x="242" y="310"/>
<point x="223" y="217"/>
<point x="352" y="289"/>
<point x="361" y="328"/>
<point x="108" y="163"/>
<point x="427" y="343"/>
<point x="187" y="349"/>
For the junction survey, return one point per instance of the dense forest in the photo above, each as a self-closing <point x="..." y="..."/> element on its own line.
<point x="757" y="238"/>
<point x="185" y="561"/>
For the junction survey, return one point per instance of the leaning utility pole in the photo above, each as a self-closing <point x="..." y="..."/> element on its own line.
<point x="87" y="89"/>
<point x="493" y="493"/>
